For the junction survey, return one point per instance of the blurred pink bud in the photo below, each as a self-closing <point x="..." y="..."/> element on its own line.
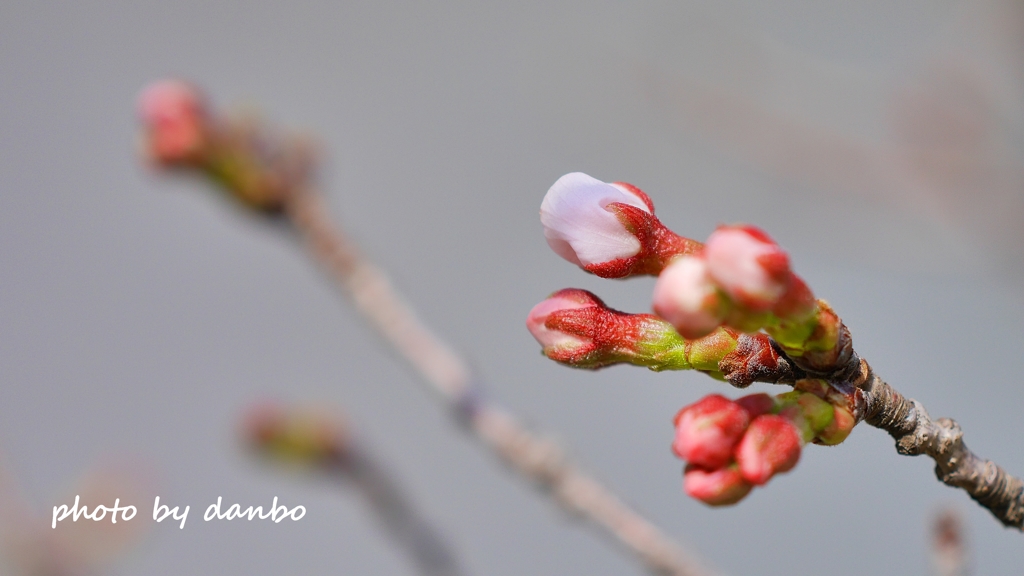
<point x="748" y="265"/>
<point x="688" y="298"/>
<point x="719" y="487"/>
<point x="771" y="446"/>
<point x="308" y="435"/>
<point x="555" y="341"/>
<point x="175" y="118"/>
<point x="580" y="227"/>
<point x="708" y="431"/>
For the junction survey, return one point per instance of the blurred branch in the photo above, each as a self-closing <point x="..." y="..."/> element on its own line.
<point x="323" y="442"/>
<point x="261" y="173"/>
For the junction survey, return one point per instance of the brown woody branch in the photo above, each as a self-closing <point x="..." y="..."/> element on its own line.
<point x="906" y="420"/>
<point x="915" y="432"/>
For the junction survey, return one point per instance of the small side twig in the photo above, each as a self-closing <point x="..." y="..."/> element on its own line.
<point x="398" y="516"/>
<point x="323" y="443"/>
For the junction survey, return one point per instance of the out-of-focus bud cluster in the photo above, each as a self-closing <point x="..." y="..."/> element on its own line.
<point x="301" y="436"/>
<point x="733" y="445"/>
<point x="608" y="229"/>
<point x="181" y="131"/>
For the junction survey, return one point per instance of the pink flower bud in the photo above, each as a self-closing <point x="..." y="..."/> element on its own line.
<point x="748" y="265"/>
<point x="175" y="119"/>
<point x="608" y="229"/>
<point x="719" y="487"/>
<point x="708" y="431"/>
<point x="578" y="224"/>
<point x="688" y="298"/>
<point x="554" y="341"/>
<point x="771" y="446"/>
<point x="576" y="328"/>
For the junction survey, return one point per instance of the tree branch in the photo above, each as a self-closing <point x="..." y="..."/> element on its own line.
<point x="917" y="433"/>
<point x="535" y="458"/>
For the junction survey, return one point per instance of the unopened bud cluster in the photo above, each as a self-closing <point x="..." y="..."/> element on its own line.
<point x="730" y="446"/>
<point x="731" y="307"/>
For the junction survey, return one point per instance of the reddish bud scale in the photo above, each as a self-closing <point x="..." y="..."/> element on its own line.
<point x="754" y="359"/>
<point x="607" y="332"/>
<point x="626" y="186"/>
<point x="658" y="244"/>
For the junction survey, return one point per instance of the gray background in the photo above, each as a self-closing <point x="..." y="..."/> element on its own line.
<point x="880" y="142"/>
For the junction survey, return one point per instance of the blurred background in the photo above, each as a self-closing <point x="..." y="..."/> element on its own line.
<point x="881" y="143"/>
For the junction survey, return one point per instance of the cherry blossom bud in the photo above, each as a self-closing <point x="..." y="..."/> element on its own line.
<point x="748" y="265"/>
<point x="175" y="119"/>
<point x="578" y="225"/>
<point x="770" y="446"/>
<point x="304" y="436"/>
<point x="688" y="298"/>
<point x="708" y="431"/>
<point x="556" y="341"/>
<point x="575" y="327"/>
<point x="719" y="487"/>
<point x="607" y="229"/>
